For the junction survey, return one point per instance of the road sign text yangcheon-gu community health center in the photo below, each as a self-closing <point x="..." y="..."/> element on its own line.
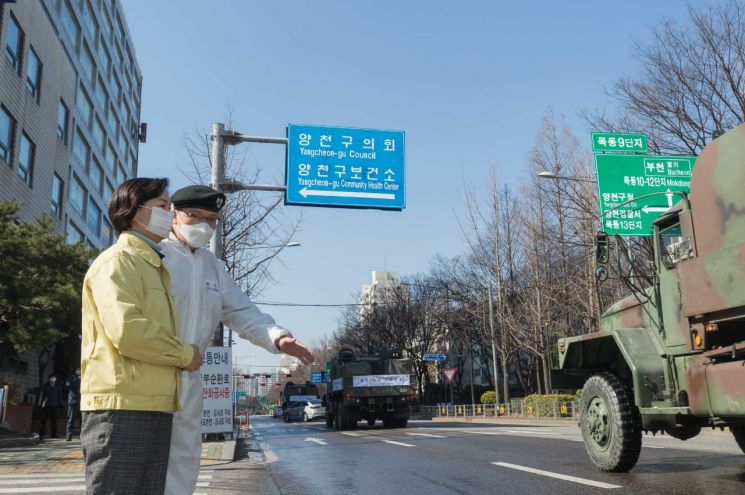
<point x="624" y="178"/>
<point x="345" y="167"/>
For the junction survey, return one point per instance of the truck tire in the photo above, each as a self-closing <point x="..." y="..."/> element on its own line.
<point x="348" y="419"/>
<point x="388" y="422"/>
<point x="329" y="420"/>
<point x="739" y="434"/>
<point x="610" y="424"/>
<point x="337" y="417"/>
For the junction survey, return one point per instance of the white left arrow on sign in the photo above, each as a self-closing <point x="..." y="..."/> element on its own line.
<point x="660" y="209"/>
<point x="305" y="192"/>
<point x="316" y="440"/>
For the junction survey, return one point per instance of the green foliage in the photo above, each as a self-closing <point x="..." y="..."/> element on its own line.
<point x="543" y="405"/>
<point x="489" y="397"/>
<point x="40" y="281"/>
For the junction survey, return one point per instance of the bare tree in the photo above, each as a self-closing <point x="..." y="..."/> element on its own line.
<point x="691" y="82"/>
<point x="256" y="227"/>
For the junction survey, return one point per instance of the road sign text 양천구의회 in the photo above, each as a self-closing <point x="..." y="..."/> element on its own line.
<point x="345" y="167"/>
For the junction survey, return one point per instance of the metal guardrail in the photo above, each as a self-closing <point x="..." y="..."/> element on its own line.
<point x="515" y="409"/>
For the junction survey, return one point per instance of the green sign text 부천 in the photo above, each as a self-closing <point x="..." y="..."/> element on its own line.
<point x="619" y="142"/>
<point x="623" y="178"/>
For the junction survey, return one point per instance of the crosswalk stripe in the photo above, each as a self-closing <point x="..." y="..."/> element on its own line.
<point x="47" y="480"/>
<point x="41" y="475"/>
<point x="41" y="489"/>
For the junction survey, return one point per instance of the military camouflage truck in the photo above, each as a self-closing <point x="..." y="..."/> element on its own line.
<point x="672" y="360"/>
<point x="377" y="386"/>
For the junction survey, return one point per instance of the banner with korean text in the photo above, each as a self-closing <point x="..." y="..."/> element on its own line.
<point x="217" y="388"/>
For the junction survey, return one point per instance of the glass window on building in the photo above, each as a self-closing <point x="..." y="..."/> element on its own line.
<point x="84" y="106"/>
<point x="69" y="24"/>
<point x="7" y="135"/>
<point x="122" y="142"/>
<point x="108" y="191"/>
<point x="103" y="55"/>
<point x="121" y="175"/>
<point x="81" y="150"/>
<point x="94" y="218"/>
<point x="113" y="121"/>
<point x="13" y="44"/>
<point x="107" y="231"/>
<point x="105" y="26"/>
<point x="58" y="186"/>
<point x="120" y="27"/>
<point x="86" y="64"/>
<point x="132" y="165"/>
<point x="33" y="74"/>
<point x="125" y="114"/>
<point x="26" y="159"/>
<point x="116" y="87"/>
<point x="101" y="97"/>
<point x="89" y="20"/>
<point x="110" y="158"/>
<point x="99" y="135"/>
<point x="63" y="116"/>
<point x="77" y="195"/>
<point x="118" y="58"/>
<point x="74" y="235"/>
<point x="96" y="175"/>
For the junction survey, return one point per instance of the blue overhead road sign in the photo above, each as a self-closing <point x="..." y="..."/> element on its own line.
<point x="345" y="167"/>
<point x="434" y="357"/>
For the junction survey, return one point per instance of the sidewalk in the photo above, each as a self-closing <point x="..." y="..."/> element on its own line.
<point x="56" y="455"/>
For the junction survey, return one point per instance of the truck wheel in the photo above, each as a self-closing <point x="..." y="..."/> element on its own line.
<point x="387" y="422"/>
<point x="349" y="420"/>
<point x="739" y="434"/>
<point x="611" y="428"/>
<point x="329" y="420"/>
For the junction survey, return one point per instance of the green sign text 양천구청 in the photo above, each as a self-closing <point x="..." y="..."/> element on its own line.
<point x="621" y="142"/>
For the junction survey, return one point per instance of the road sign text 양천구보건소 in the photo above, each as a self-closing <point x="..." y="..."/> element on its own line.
<point x="345" y="167"/>
<point x="619" y="142"/>
<point x="625" y="178"/>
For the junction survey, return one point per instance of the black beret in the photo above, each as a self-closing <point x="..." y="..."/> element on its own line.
<point x="198" y="197"/>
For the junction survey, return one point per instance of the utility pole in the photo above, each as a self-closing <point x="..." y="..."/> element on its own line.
<point x="220" y="139"/>
<point x="493" y="347"/>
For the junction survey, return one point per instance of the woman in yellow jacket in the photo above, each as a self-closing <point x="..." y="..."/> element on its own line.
<point x="131" y="353"/>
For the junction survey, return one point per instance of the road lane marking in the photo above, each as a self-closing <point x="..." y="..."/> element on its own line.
<point x="80" y="479"/>
<point x="316" y="440"/>
<point x="41" y="489"/>
<point x="426" y="435"/>
<point x="350" y="434"/>
<point x="42" y="475"/>
<point x="399" y="443"/>
<point x="574" y="479"/>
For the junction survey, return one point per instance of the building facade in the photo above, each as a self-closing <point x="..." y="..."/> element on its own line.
<point x="70" y="91"/>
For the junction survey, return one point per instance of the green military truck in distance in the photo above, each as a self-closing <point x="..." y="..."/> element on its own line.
<point x="368" y="388"/>
<point x="672" y="359"/>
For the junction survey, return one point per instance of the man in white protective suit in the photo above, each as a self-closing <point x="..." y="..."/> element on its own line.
<point x="205" y="296"/>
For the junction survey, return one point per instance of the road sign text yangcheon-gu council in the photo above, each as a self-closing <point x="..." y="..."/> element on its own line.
<point x="345" y="167"/>
<point x="625" y="178"/>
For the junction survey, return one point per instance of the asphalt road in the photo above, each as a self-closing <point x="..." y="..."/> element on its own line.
<point x="432" y="457"/>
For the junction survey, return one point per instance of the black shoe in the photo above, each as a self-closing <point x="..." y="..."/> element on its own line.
<point x="69" y="439"/>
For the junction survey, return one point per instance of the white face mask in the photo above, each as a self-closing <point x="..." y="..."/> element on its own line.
<point x="197" y="235"/>
<point x="160" y="221"/>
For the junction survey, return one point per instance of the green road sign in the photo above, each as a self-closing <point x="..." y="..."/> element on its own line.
<point x="624" y="178"/>
<point x="620" y="142"/>
<point x="242" y="393"/>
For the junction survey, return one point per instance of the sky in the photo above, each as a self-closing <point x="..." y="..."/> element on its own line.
<point x="469" y="83"/>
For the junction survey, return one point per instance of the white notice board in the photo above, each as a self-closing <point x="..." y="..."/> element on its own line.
<point x="217" y="390"/>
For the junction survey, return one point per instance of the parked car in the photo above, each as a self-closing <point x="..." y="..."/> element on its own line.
<point x="278" y="413"/>
<point x="306" y="410"/>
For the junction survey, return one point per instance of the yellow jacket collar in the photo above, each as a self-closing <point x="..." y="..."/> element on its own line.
<point x="141" y="247"/>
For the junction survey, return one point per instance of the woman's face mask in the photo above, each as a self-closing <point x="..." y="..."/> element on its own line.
<point x="160" y="221"/>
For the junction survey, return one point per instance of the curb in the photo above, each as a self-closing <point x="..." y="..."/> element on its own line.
<point x="20" y="441"/>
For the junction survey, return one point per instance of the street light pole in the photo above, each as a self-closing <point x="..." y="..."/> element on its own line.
<point x="493" y="347"/>
<point x="221" y="138"/>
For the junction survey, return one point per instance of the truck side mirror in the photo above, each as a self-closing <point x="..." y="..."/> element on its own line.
<point x="602" y="248"/>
